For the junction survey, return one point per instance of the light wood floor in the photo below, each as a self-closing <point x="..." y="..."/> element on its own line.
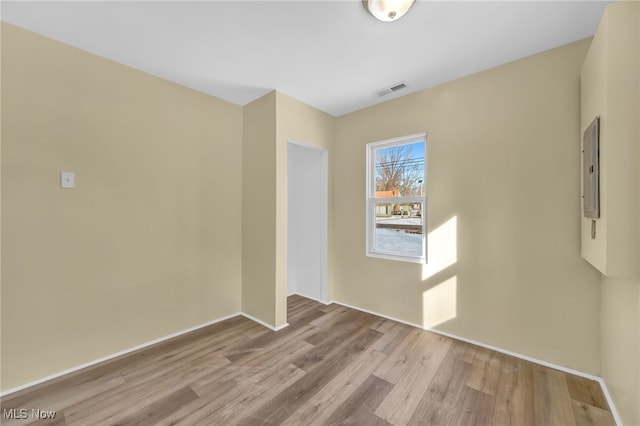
<point x="332" y="365"/>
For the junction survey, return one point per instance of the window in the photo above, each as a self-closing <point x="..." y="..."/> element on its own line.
<point x="397" y="199"/>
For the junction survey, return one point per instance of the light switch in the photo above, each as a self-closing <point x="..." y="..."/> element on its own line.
<point x="67" y="180"/>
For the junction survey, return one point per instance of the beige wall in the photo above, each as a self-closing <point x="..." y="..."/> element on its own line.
<point x="593" y="92"/>
<point x="269" y="123"/>
<point x="1" y="203"/>
<point x="503" y="160"/>
<point x="259" y="209"/>
<point x="147" y="244"/>
<point x="608" y="86"/>
<point x="621" y="345"/>
<point x="174" y="222"/>
<point x="301" y="123"/>
<point x="611" y="88"/>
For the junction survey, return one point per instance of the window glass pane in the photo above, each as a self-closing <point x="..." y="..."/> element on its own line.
<point x="396" y="198"/>
<point x="400" y="170"/>
<point x="399" y="228"/>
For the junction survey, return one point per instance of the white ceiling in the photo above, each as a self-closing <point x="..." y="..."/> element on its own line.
<point x="329" y="54"/>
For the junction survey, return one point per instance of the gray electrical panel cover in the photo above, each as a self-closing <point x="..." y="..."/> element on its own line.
<point x="591" y="170"/>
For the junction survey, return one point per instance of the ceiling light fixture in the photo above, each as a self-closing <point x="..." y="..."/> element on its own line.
<point x="387" y="10"/>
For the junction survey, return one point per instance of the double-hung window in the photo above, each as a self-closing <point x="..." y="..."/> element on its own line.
<point x="397" y="199"/>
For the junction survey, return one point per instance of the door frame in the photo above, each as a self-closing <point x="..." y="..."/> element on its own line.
<point x="324" y="213"/>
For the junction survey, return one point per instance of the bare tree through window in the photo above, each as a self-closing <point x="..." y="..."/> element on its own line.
<point x="400" y="168"/>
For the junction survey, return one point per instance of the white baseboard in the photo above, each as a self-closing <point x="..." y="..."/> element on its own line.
<point x="311" y="298"/>
<point x="377" y="314"/>
<point x="598" y="379"/>
<point x="269" y="326"/>
<point x="612" y="406"/>
<point x="115" y="355"/>
<point x="135" y="348"/>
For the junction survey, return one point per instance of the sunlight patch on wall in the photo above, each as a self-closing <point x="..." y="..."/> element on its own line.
<point x="442" y="248"/>
<point x="439" y="303"/>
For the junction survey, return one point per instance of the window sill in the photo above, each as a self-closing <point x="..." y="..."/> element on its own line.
<point x="389" y="256"/>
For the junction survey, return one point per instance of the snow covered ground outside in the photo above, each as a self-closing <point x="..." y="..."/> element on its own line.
<point x="398" y="241"/>
<point x="400" y="220"/>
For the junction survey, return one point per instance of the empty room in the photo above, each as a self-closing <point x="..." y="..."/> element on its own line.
<point x="320" y="212"/>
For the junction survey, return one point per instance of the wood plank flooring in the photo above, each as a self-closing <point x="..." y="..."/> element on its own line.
<point x="331" y="366"/>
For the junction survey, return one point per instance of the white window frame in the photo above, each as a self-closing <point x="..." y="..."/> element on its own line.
<point x="371" y="199"/>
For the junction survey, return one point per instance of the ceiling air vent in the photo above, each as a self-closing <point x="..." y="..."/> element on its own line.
<point x="391" y="89"/>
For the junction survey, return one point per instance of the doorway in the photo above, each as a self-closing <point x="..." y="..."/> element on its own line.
<point x="307" y="213"/>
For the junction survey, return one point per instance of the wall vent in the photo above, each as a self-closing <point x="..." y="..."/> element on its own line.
<point x="391" y="89"/>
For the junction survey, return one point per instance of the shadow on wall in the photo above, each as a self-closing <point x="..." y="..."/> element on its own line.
<point x="439" y="301"/>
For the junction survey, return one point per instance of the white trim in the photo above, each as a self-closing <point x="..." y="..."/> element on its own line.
<point x="598" y="379"/>
<point x="269" y="326"/>
<point x="379" y="254"/>
<point x="304" y="145"/>
<point x="377" y="314"/>
<point x="400" y="140"/>
<point x="325" y="227"/>
<point x="311" y="298"/>
<point x="117" y="354"/>
<point x="324" y="160"/>
<point x="138" y="347"/>
<point x="371" y="200"/>
<point x="612" y="406"/>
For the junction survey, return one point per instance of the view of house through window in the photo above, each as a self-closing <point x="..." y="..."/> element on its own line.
<point x="396" y="199"/>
